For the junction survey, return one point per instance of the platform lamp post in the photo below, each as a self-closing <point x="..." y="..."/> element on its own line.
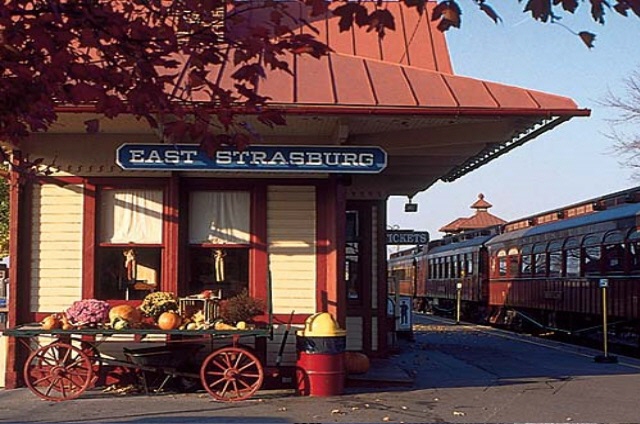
<point x="603" y="283"/>
<point x="458" y="295"/>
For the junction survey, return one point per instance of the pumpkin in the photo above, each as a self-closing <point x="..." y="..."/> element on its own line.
<point x="169" y="321"/>
<point x="356" y="362"/>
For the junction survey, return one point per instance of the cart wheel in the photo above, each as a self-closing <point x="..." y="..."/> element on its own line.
<point x="231" y="374"/>
<point x="58" y="372"/>
<point x="94" y="356"/>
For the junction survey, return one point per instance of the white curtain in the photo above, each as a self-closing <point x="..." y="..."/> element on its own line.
<point x="219" y="217"/>
<point x="131" y="216"/>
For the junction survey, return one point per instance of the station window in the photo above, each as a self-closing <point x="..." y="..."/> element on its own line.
<point x="592" y="255"/>
<point x="571" y="258"/>
<point x="128" y="257"/>
<point x="470" y="269"/>
<point x="219" y="241"/>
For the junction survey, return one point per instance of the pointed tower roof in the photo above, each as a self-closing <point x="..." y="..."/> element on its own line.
<point x="481" y="204"/>
<point x="481" y="219"/>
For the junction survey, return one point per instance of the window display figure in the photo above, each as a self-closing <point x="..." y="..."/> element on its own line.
<point x="130" y="265"/>
<point x="139" y="277"/>
<point x="218" y="263"/>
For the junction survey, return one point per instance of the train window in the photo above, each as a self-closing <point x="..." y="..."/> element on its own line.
<point x="571" y="257"/>
<point x="525" y="266"/>
<point x="539" y="260"/>
<point x="470" y="257"/>
<point x="555" y="259"/>
<point x="592" y="254"/>
<point x="447" y="264"/>
<point x="633" y="241"/>
<point x="513" y="263"/>
<point x="634" y="251"/>
<point x="614" y="250"/>
<point x="454" y="267"/>
<point x="526" y="262"/>
<point x="502" y="263"/>
<point x="513" y="266"/>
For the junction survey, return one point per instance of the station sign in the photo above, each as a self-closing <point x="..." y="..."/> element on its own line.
<point x="254" y="158"/>
<point x="409" y="237"/>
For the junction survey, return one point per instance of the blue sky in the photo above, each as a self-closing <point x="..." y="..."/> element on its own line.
<point x="571" y="163"/>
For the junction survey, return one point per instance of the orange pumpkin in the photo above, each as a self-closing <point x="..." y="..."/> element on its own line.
<point x="356" y="362"/>
<point x="169" y="321"/>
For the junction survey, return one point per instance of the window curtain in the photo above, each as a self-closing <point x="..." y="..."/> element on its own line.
<point x="131" y="216"/>
<point x="219" y="217"/>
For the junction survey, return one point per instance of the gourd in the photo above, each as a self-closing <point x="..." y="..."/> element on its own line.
<point x="356" y="362"/>
<point x="169" y="321"/>
<point x="51" y="322"/>
<point x="126" y="313"/>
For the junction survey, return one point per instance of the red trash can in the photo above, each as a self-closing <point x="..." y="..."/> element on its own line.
<point x="320" y="367"/>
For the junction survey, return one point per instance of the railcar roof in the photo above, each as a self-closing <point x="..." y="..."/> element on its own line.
<point x="589" y="221"/>
<point x="476" y="241"/>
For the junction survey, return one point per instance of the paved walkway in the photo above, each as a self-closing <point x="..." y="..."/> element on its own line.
<point x="460" y="374"/>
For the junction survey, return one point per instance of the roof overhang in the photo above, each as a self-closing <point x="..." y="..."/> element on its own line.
<point x="432" y="125"/>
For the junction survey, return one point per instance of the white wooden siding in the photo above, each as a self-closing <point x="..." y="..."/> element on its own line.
<point x="56" y="247"/>
<point x="354" y="333"/>
<point x="289" y="355"/>
<point x="291" y="235"/>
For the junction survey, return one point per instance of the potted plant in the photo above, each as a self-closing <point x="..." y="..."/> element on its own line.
<point x="241" y="308"/>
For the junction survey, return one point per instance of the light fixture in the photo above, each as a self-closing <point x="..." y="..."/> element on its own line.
<point x="410" y="206"/>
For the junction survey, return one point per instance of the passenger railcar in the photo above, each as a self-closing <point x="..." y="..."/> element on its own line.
<point x="550" y="273"/>
<point x="407" y="272"/>
<point x="454" y="262"/>
<point x="544" y="270"/>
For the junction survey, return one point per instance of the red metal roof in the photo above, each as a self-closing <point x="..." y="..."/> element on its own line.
<point x="349" y="81"/>
<point x="481" y="219"/>
<point x="408" y="68"/>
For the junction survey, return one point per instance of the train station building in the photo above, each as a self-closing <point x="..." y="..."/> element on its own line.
<point x="299" y="219"/>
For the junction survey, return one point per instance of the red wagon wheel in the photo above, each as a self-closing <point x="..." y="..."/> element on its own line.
<point x="58" y="372"/>
<point x="231" y="374"/>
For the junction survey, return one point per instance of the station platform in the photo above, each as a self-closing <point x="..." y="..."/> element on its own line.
<point x="450" y="373"/>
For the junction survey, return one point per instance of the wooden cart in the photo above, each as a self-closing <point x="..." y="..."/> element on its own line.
<point x="71" y="363"/>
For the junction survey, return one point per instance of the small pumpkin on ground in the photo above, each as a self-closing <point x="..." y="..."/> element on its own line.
<point x="356" y="362"/>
